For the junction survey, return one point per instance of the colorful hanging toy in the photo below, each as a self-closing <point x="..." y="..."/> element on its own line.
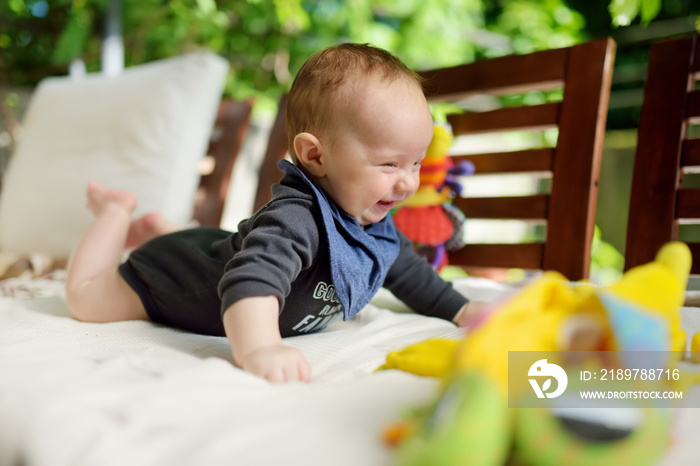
<point x="428" y="218"/>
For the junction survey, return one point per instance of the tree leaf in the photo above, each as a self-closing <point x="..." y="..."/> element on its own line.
<point x="73" y="38"/>
<point x="623" y="11"/>
<point x="650" y="9"/>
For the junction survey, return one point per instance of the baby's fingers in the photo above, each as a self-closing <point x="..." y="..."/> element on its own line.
<point x="303" y="372"/>
<point x="296" y="371"/>
<point x="276" y="375"/>
<point x="278" y="364"/>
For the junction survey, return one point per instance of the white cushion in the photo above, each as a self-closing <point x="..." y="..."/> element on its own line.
<point x="144" y="131"/>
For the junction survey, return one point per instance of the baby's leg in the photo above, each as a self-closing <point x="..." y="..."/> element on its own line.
<point x="148" y="227"/>
<point x="95" y="291"/>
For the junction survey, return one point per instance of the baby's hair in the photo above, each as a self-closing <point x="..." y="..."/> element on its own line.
<point x="315" y="96"/>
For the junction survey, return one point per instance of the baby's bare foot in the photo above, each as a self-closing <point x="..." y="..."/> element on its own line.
<point x="100" y="198"/>
<point x="148" y="227"/>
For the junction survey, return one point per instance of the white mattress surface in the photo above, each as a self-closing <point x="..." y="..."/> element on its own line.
<point x="136" y="393"/>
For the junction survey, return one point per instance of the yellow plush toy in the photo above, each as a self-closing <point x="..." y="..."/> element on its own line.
<point x="640" y="312"/>
<point x="551" y="314"/>
<point x="659" y="287"/>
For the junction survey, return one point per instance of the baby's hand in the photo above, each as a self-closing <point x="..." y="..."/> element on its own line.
<point x="472" y="314"/>
<point x="278" y="363"/>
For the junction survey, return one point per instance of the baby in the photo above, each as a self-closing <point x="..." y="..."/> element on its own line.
<point x="358" y="127"/>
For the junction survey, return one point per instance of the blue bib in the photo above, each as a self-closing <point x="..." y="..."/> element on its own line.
<point x="360" y="257"/>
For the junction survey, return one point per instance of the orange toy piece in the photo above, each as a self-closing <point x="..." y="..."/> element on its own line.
<point x="434" y="171"/>
<point x="427" y="225"/>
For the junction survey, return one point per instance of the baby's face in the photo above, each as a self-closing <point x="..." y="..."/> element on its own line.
<point x="379" y="144"/>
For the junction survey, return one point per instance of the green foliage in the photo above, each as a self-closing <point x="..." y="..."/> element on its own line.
<point x="623" y="12"/>
<point x="539" y="25"/>
<point x="16" y="6"/>
<point x="74" y="37"/>
<point x="606" y="261"/>
<point x="267" y="41"/>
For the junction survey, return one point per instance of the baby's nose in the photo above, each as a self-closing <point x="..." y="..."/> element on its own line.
<point x="408" y="183"/>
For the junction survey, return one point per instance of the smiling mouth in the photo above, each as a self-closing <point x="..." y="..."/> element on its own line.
<point x="386" y="205"/>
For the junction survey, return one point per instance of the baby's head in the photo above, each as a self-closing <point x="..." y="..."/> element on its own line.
<point x="328" y="83"/>
<point x="359" y="125"/>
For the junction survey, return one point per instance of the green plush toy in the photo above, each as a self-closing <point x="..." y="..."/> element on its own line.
<point x="470" y="424"/>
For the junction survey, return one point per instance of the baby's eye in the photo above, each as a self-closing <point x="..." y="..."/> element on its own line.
<point x="390" y="164"/>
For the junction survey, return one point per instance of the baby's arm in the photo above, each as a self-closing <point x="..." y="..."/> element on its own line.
<point x="415" y="282"/>
<point x="252" y="329"/>
<point x="471" y="313"/>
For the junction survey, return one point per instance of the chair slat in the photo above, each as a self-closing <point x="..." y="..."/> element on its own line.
<point x="688" y="204"/>
<point x="536" y="71"/>
<point x="690" y="156"/>
<point x="276" y="150"/>
<point x="523" y="161"/>
<point x="231" y="127"/>
<point x="535" y="117"/>
<point x="523" y="255"/>
<point x="576" y="169"/>
<point x="692" y="111"/>
<point x="656" y="174"/>
<point x="695" y="252"/>
<point x="515" y="207"/>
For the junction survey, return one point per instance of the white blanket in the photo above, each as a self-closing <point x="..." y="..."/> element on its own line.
<point x="134" y="393"/>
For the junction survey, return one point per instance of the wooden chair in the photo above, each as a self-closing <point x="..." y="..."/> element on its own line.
<point x="230" y="129"/>
<point x="584" y="73"/>
<point x="659" y="202"/>
<point x="276" y="150"/>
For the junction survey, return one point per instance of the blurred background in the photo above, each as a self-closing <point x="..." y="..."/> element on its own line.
<point x="267" y="41"/>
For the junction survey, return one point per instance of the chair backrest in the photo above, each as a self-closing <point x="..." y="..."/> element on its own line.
<point x="584" y="73"/>
<point x="276" y="150"/>
<point x="659" y="202"/>
<point x="567" y="208"/>
<point x="230" y="129"/>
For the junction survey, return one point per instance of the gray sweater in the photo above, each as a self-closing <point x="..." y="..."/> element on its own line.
<point x="187" y="279"/>
<point x="283" y="251"/>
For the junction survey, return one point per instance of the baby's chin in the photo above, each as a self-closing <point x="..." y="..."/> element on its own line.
<point x="368" y="219"/>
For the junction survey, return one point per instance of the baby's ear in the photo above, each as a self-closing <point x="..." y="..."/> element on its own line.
<point x="310" y="153"/>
